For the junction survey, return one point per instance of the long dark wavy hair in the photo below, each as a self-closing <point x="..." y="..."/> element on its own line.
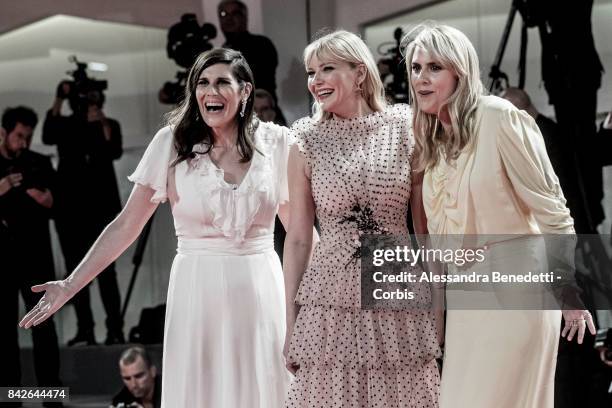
<point x="186" y="121"/>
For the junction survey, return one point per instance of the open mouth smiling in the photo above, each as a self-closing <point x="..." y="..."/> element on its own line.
<point x="324" y="93"/>
<point x="214" y="106"/>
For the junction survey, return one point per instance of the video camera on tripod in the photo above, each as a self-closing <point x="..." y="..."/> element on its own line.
<point x="83" y="90"/>
<point x="186" y="40"/>
<point x="533" y="14"/>
<point x="393" y="64"/>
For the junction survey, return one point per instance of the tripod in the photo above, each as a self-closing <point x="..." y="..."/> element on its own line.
<point x="531" y="17"/>
<point x="136" y="261"/>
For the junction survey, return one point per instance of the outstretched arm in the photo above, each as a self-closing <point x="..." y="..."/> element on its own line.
<point x="115" y="239"/>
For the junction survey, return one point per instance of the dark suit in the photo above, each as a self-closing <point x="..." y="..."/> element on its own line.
<point x="571" y="70"/>
<point x="26" y="259"/>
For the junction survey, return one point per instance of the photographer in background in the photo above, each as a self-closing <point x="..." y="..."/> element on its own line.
<point x="142" y="384"/>
<point x="572" y="90"/>
<point x="258" y="50"/>
<point x="87" y="194"/>
<point x="26" y="199"/>
<point x="265" y="107"/>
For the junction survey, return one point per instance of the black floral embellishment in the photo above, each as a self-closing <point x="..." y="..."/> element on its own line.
<point x="363" y="218"/>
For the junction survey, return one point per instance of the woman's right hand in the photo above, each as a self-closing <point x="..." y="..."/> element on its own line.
<point x="292" y="366"/>
<point x="57" y="293"/>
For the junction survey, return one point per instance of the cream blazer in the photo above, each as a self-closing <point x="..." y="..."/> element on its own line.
<point x="503" y="183"/>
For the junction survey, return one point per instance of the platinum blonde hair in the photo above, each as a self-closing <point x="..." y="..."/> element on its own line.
<point x="347" y="47"/>
<point x="454" y="51"/>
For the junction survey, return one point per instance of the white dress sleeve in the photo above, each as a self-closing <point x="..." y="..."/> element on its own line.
<point x="528" y="167"/>
<point x="152" y="171"/>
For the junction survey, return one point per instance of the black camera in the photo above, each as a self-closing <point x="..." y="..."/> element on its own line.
<point x="604" y="339"/>
<point x="33" y="176"/>
<point x="84" y="91"/>
<point x="393" y="64"/>
<point x="186" y="40"/>
<point x="173" y="92"/>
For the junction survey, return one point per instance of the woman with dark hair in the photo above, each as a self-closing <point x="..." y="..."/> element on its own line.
<point x="224" y="174"/>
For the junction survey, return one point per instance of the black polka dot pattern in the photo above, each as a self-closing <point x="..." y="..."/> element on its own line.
<point x="350" y="357"/>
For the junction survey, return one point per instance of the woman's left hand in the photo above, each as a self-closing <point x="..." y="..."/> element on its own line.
<point x="576" y="321"/>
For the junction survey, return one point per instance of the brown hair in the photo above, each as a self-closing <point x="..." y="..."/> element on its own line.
<point x="188" y="127"/>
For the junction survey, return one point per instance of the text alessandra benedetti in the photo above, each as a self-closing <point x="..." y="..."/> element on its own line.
<point x="472" y="277"/>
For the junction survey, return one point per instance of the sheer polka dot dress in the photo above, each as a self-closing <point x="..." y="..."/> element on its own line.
<point x="351" y="357"/>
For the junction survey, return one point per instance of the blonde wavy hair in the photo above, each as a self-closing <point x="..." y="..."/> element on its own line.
<point x="347" y="47"/>
<point x="454" y="51"/>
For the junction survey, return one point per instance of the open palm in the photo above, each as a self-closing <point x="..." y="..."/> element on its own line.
<point x="56" y="295"/>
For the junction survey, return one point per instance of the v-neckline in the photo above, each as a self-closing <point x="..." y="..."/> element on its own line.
<point x="235" y="186"/>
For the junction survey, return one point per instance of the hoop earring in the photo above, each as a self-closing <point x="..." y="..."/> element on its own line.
<point x="243" y="108"/>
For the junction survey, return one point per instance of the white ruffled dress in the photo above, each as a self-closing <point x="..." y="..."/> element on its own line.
<point x="225" y="317"/>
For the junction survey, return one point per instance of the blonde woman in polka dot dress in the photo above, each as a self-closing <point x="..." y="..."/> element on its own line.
<point x="351" y="162"/>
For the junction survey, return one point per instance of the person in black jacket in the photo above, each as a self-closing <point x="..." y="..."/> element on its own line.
<point x="142" y="384"/>
<point x="26" y="200"/>
<point x="572" y="71"/>
<point x="87" y="195"/>
<point x="258" y="50"/>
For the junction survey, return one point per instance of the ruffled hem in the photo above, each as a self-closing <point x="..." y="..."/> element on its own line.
<point x="355" y="338"/>
<point x="409" y="386"/>
<point x="159" y="196"/>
